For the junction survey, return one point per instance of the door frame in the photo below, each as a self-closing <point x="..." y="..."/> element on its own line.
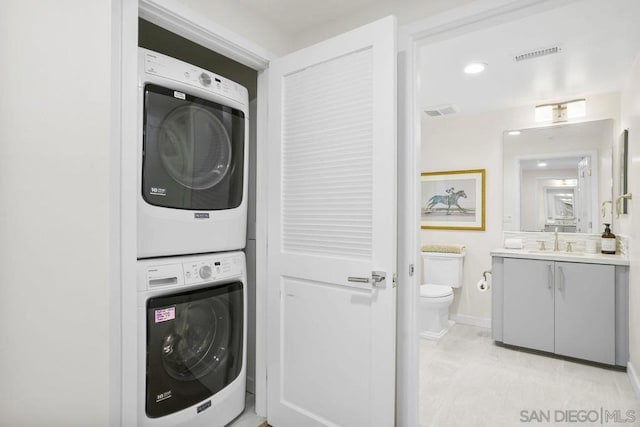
<point x="474" y="16"/>
<point x="182" y="20"/>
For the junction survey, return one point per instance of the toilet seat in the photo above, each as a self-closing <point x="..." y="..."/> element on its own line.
<point x="435" y="291"/>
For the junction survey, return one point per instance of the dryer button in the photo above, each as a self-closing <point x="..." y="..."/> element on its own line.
<point x="205" y="271"/>
<point x="205" y="79"/>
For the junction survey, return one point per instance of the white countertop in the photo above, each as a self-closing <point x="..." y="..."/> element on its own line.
<point x="562" y="256"/>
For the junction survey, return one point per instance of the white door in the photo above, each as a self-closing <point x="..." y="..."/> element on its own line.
<point x="332" y="222"/>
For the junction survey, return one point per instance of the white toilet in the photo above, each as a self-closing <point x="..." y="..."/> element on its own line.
<point x="440" y="272"/>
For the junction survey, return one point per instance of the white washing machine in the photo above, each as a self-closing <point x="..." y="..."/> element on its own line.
<point x="192" y="159"/>
<point x="192" y="323"/>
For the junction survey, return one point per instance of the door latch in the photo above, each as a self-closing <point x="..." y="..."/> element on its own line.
<point x="377" y="279"/>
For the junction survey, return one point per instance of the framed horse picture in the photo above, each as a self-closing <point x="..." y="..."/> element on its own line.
<point x="453" y="200"/>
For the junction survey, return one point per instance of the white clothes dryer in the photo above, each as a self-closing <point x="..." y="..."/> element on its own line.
<point x="192" y="314"/>
<point x="192" y="159"/>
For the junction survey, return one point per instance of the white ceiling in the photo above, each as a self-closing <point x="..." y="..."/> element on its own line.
<point x="598" y="39"/>
<point x="297" y="18"/>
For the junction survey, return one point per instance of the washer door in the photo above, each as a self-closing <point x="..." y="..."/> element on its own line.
<point x="193" y="151"/>
<point x="194" y="346"/>
<point x="198" y="343"/>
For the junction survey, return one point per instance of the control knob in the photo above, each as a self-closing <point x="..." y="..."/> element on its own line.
<point x="205" y="79"/>
<point x="205" y="271"/>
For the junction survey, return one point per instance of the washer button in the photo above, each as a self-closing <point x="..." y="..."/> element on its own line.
<point x="205" y="271"/>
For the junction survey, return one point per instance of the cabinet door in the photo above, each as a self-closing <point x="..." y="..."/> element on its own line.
<point x="528" y="303"/>
<point x="585" y="311"/>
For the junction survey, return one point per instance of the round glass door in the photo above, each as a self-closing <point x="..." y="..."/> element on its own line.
<point x="198" y="343"/>
<point x="194" y="147"/>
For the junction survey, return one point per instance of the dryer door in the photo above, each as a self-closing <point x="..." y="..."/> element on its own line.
<point x="194" y="346"/>
<point x="193" y="151"/>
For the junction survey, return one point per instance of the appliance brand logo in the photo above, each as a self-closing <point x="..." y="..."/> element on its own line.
<point x="204" y="406"/>
<point x="201" y="215"/>
<point x="157" y="191"/>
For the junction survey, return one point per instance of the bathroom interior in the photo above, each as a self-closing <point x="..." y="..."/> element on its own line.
<point x="550" y="183"/>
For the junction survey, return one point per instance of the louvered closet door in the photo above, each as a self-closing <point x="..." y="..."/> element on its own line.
<point x="332" y="182"/>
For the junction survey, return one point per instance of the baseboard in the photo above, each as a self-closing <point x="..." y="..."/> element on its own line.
<point x="633" y="377"/>
<point x="471" y="320"/>
<point x="435" y="336"/>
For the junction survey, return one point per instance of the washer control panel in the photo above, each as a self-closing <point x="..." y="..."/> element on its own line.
<point x="196" y="270"/>
<point x="210" y="269"/>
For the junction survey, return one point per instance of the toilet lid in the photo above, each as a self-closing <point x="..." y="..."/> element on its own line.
<point x="435" y="291"/>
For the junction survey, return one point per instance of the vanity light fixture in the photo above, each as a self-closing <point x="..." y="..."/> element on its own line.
<point x="561" y="111"/>
<point x="542" y="164"/>
<point x="475" y="67"/>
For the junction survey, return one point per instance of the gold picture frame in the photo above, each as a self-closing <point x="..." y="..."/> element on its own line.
<point x="453" y="200"/>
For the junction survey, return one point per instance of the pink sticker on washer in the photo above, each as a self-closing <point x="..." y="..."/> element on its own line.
<point x="164" y="314"/>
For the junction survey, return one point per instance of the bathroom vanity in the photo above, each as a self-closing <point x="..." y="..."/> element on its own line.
<point x="570" y="304"/>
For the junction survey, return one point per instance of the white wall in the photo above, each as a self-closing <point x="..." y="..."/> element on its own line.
<point x="474" y="141"/>
<point x="630" y="224"/>
<point x="55" y="118"/>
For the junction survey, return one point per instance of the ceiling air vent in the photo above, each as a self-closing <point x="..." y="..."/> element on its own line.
<point x="537" y="53"/>
<point x="441" y="110"/>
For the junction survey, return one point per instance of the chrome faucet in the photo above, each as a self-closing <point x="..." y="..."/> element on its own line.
<point x="556" y="244"/>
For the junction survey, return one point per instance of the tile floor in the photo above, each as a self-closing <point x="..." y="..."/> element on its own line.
<point x="466" y="380"/>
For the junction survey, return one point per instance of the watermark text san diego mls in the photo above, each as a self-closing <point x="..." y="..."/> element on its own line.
<point x="591" y="416"/>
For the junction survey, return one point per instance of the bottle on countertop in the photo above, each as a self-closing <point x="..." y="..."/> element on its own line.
<point x="608" y="241"/>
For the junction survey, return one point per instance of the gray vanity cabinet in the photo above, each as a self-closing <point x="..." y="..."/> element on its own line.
<point x="560" y="307"/>
<point x="585" y="311"/>
<point x="528" y="304"/>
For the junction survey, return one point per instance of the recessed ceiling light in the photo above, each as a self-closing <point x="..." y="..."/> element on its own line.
<point x="475" y="68"/>
<point x="514" y="132"/>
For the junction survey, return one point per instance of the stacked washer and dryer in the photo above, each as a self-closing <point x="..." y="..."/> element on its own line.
<point x="192" y="219"/>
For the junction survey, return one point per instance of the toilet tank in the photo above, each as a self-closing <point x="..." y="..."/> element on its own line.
<point x="442" y="269"/>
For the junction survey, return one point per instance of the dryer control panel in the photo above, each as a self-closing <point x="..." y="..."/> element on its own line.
<point x="193" y="270"/>
<point x="170" y="68"/>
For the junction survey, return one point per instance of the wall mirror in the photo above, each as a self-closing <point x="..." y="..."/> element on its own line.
<point x="558" y="177"/>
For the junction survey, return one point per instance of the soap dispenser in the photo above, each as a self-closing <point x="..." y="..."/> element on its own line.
<point x="608" y="245"/>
